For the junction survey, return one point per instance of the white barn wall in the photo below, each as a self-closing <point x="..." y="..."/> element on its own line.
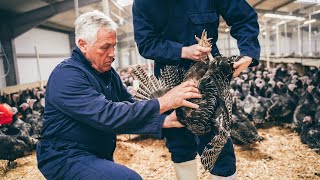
<point x="53" y="47"/>
<point x="47" y="42"/>
<point x="28" y="68"/>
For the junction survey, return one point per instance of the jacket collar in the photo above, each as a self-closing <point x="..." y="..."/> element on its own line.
<point x="78" y="56"/>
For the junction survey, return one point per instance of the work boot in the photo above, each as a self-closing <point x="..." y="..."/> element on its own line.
<point x="186" y="170"/>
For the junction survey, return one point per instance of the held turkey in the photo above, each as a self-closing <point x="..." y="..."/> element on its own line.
<point x="215" y="107"/>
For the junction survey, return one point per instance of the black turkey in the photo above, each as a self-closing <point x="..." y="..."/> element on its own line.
<point x="253" y="108"/>
<point x="215" y="106"/>
<point x="15" y="141"/>
<point x="242" y="129"/>
<point x="307" y="107"/>
<point x="12" y="148"/>
<point x="310" y="133"/>
<point x="284" y="106"/>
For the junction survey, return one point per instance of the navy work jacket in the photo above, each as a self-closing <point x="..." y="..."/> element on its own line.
<point x="86" y="109"/>
<point x="163" y="27"/>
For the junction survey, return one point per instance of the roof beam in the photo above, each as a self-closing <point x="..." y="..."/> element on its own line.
<point x="49" y="1"/>
<point x="258" y="3"/>
<point x="282" y="5"/>
<point x="56" y="27"/>
<point x="304" y="8"/>
<point x="263" y="11"/>
<point x="26" y="21"/>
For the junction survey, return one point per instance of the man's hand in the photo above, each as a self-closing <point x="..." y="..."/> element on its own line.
<point x="178" y="96"/>
<point x="195" y="52"/>
<point x="241" y="65"/>
<point x="171" y="121"/>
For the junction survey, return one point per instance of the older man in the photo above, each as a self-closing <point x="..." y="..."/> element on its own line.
<point x="87" y="105"/>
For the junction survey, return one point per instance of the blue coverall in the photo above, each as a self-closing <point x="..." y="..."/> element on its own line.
<point x="84" y="111"/>
<point x="163" y="27"/>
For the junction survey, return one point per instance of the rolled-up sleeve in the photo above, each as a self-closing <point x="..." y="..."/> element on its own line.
<point x="243" y="20"/>
<point x="75" y="97"/>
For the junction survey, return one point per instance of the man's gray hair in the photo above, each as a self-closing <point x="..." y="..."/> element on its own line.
<point x="88" y="24"/>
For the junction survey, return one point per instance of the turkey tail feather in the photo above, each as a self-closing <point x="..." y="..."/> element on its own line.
<point x="149" y="86"/>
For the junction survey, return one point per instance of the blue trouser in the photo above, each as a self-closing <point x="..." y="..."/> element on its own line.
<point x="183" y="146"/>
<point x="56" y="162"/>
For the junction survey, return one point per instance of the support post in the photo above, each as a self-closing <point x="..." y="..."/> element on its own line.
<point x="76" y="8"/>
<point x="278" y="40"/>
<point x="286" y="41"/>
<point x="38" y="65"/>
<point x="105" y="7"/>
<point x="310" y="37"/>
<point x="299" y="40"/>
<point x="9" y="50"/>
<point x="267" y="39"/>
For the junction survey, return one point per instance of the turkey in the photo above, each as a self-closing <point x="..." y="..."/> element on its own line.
<point x="215" y="106"/>
<point x="284" y="106"/>
<point x="307" y="107"/>
<point x="12" y="148"/>
<point x="242" y="130"/>
<point x="310" y="133"/>
<point x="15" y="141"/>
<point x="254" y="110"/>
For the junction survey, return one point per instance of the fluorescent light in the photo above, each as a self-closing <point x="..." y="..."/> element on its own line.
<point x="316" y="12"/>
<point x="306" y="1"/>
<point x="280" y="23"/>
<point x="124" y="3"/>
<point x="310" y="21"/>
<point x="286" y="17"/>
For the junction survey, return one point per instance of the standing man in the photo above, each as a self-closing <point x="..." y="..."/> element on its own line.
<point x="164" y="31"/>
<point x="87" y="105"/>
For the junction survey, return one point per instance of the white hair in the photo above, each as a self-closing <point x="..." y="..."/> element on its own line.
<point x="88" y="24"/>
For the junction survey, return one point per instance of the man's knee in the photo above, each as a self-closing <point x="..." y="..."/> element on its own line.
<point x="181" y="143"/>
<point x="95" y="168"/>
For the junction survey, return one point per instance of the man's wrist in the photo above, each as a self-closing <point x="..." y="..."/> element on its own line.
<point x="248" y="58"/>
<point x="162" y="105"/>
<point x="183" y="52"/>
